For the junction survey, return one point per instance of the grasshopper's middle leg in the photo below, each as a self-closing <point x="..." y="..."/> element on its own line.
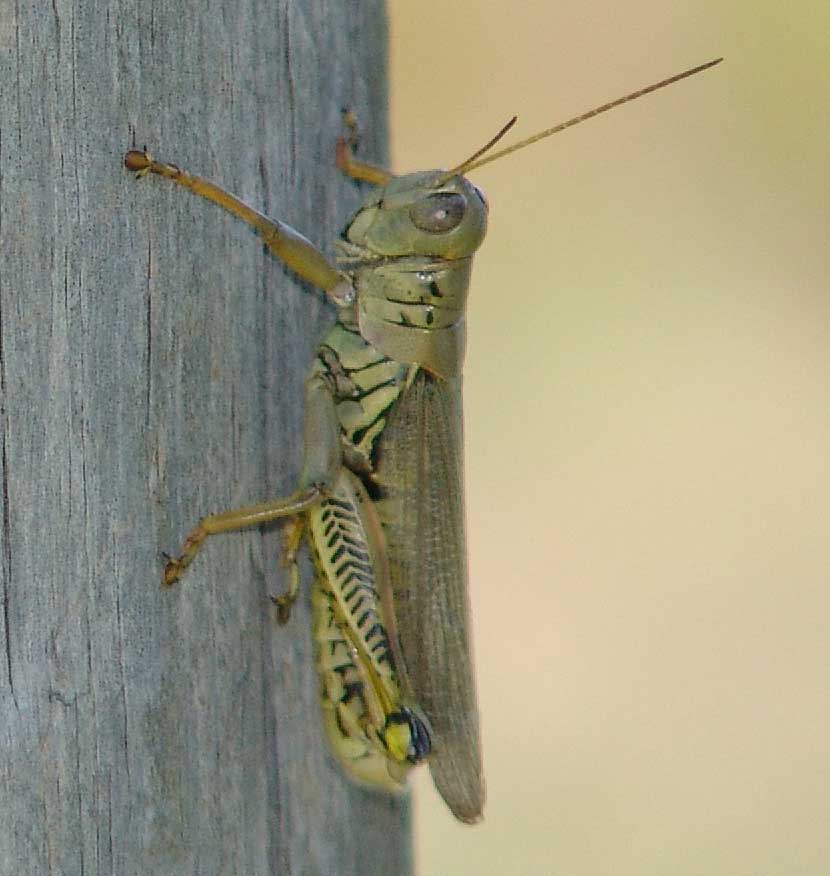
<point x="239" y="518"/>
<point x="322" y="463"/>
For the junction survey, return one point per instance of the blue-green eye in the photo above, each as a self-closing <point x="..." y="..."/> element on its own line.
<point x="438" y="213"/>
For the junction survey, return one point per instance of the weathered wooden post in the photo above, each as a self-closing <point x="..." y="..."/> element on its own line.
<point x="151" y="366"/>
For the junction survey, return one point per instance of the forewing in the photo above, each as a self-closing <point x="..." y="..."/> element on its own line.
<point x="421" y="482"/>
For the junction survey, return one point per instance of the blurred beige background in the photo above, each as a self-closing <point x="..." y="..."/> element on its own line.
<point x="648" y="425"/>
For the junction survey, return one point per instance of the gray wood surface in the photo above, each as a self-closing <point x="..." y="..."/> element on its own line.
<point x="152" y="358"/>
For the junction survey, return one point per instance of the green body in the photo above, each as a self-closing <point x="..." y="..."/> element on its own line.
<point x="380" y="498"/>
<point x="381" y="494"/>
<point x="392" y="364"/>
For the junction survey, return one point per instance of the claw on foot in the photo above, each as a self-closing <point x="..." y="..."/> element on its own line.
<point x="173" y="568"/>
<point x="283" y="603"/>
<point x="138" y="162"/>
<point x="352" y="134"/>
<point x="172" y="572"/>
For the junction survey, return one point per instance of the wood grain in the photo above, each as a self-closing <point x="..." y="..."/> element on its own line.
<point x="151" y="367"/>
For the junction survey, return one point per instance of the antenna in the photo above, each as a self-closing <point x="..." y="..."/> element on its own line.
<point x="467" y="162"/>
<point x="476" y="161"/>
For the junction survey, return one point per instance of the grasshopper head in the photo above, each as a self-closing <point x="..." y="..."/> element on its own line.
<point x="422" y="214"/>
<point x="417" y="235"/>
<point x="440" y="213"/>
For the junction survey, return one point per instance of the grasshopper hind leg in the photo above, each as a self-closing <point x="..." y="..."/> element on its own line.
<point x="374" y="728"/>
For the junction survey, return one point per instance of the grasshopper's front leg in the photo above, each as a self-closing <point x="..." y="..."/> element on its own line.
<point x="322" y="463"/>
<point x="285" y="243"/>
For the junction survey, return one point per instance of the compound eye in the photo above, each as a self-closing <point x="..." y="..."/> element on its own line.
<point x="438" y="213"/>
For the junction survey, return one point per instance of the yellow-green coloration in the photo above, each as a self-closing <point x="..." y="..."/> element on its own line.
<point x="375" y="735"/>
<point x="411" y="248"/>
<point x="365" y="384"/>
<point x="380" y="497"/>
<point x="410" y="307"/>
<point x="384" y="522"/>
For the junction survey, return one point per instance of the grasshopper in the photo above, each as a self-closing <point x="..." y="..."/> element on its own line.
<point x="380" y="496"/>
